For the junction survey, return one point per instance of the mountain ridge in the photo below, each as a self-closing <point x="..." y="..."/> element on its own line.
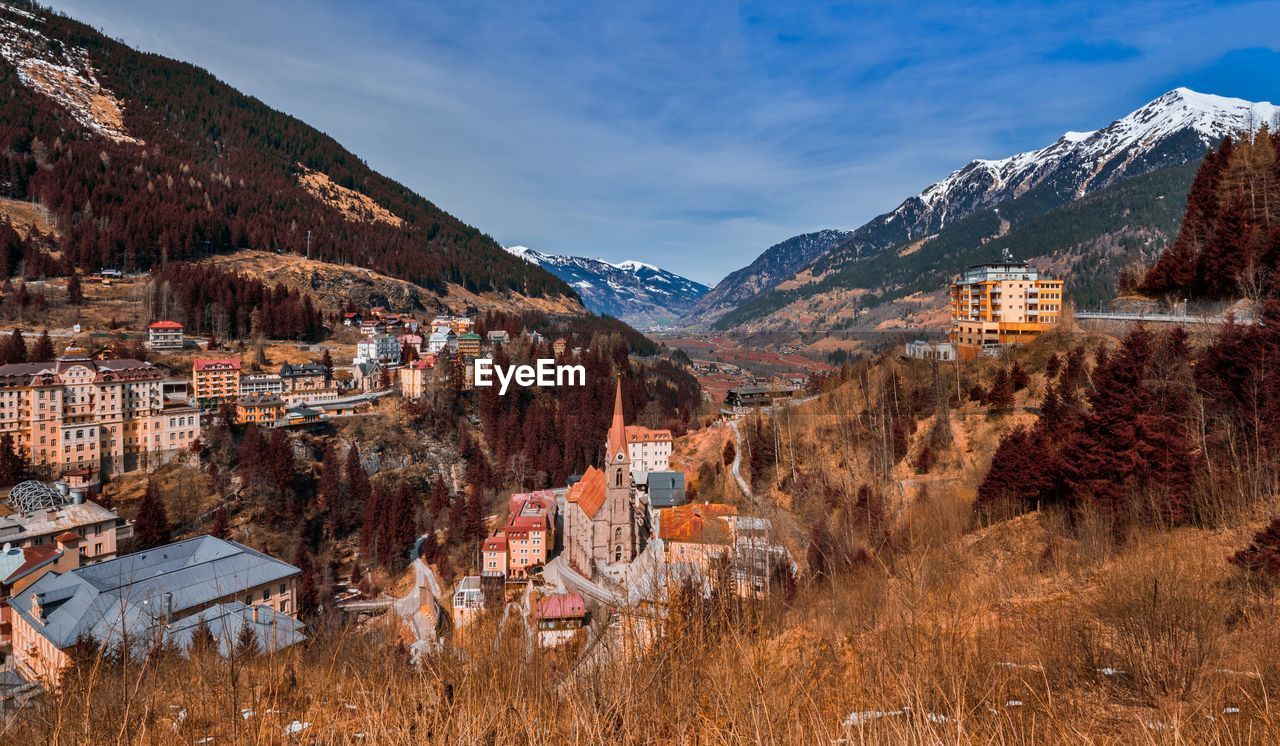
<point x="1172" y="130"/>
<point x="636" y="292"/>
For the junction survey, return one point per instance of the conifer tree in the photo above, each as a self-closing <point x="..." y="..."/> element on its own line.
<point x="43" y="351"/>
<point x="151" y="526"/>
<point x="75" y="293"/>
<point x="220" y="529"/>
<point x="308" y="602"/>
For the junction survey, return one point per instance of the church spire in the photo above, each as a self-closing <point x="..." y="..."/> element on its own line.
<point x="617" y="442"/>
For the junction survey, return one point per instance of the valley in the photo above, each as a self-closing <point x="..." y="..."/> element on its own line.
<point x="293" y="453"/>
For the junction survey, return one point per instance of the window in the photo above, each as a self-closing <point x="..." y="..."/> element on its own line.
<point x="617" y="553"/>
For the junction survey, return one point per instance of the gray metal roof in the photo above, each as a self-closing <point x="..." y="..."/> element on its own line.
<point x="272" y="630"/>
<point x="126" y="596"/>
<point x="666" y="489"/>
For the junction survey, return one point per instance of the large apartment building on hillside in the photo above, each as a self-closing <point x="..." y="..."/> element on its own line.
<point x="1005" y="303"/>
<point x="104" y="415"/>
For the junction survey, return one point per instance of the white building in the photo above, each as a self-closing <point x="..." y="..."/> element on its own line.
<point x="649" y="450"/>
<point x="922" y="350"/>
<point x="261" y="383"/>
<point x="378" y="348"/>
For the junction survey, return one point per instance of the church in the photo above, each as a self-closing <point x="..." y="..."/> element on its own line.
<point x="600" y="518"/>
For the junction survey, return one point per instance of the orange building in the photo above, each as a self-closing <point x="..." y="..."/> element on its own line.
<point x="260" y="409"/>
<point x="1006" y="303"/>
<point x="215" y="380"/>
<point x="79" y="413"/>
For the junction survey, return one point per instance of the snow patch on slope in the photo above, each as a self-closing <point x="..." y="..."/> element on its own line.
<point x="62" y="73"/>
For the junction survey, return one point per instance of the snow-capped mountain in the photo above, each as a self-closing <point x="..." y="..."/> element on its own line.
<point x="1175" y="128"/>
<point x="638" y="293"/>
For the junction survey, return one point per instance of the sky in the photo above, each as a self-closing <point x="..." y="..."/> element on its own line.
<point x="694" y="135"/>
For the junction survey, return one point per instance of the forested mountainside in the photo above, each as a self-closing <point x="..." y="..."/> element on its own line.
<point x="141" y="159"/>
<point x="633" y="291"/>
<point x="988" y="200"/>
<point x="1229" y="244"/>
<point x="777" y="263"/>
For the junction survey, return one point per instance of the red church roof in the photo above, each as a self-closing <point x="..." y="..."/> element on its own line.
<point x="617" y="442"/>
<point x="588" y="493"/>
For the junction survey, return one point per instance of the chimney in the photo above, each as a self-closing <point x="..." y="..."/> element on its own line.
<point x="166" y="605"/>
<point x="255" y="613"/>
<point x="37" y="610"/>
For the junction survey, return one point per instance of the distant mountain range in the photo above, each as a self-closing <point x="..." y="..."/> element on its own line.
<point x="1084" y="205"/>
<point x="640" y="294"/>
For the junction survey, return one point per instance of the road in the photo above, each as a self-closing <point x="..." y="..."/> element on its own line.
<point x="736" y="468"/>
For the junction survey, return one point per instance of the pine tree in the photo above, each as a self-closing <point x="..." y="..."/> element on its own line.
<point x="1053" y="366"/>
<point x="220" y="529"/>
<point x="202" y="640"/>
<point x="75" y="293"/>
<point x="358" y="491"/>
<point x="308" y="602"/>
<point x="246" y="641"/>
<point x="14" y="466"/>
<point x="1262" y="557"/>
<point x="151" y="526"/>
<point x="439" y="502"/>
<point x="14" y="348"/>
<point x="43" y="351"/>
<point x="1001" y="393"/>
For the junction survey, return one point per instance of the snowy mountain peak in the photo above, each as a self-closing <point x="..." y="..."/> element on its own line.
<point x="634" y="291"/>
<point x="1090" y="160"/>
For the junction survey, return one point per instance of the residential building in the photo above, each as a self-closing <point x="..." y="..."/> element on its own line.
<point x="215" y="380"/>
<point x="22" y="566"/>
<point x="105" y="415"/>
<point x="1001" y="304"/>
<point x="662" y="489"/>
<point x="260" y="383"/>
<point x="498" y="336"/>
<point x="755" y="396"/>
<point x="694" y="537"/>
<point x="559" y="616"/>
<point x="351" y="318"/>
<point x="300" y="415"/>
<point x="378" y="348"/>
<point x="438" y="342"/>
<point x="468" y="600"/>
<point x="414" y="341"/>
<point x="42" y="513"/>
<point x="648" y="450"/>
<point x="143" y="598"/>
<point x="371" y="327"/>
<point x="558" y="347"/>
<point x="469" y="344"/>
<point x="414" y="378"/>
<point x="922" y="350"/>
<point x="164" y="335"/>
<point x="600" y="519"/>
<point x="259" y="409"/>
<point x="529" y="532"/>
<point x="493" y="556"/>
<point x="304" y="378"/>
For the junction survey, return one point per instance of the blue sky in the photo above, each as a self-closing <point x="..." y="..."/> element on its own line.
<point x="695" y="134"/>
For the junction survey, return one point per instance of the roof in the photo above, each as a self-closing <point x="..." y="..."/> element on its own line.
<point x="639" y="434"/>
<point x="17" y="562"/>
<point x="666" y="488"/>
<point x="615" y="444"/>
<point x="588" y="492"/>
<point x="469" y="336"/>
<point x="261" y="400"/>
<point x="562" y="606"/>
<point x="166" y="325"/>
<point x="205" y="363"/>
<point x="272" y="630"/>
<point x="496" y="543"/>
<point x="114" y="369"/>
<point x="302" y="369"/>
<point x="695" y="523"/>
<point x="124" y="597"/>
<point x="46" y="522"/>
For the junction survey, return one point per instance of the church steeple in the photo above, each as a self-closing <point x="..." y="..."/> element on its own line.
<point x="617" y="442"/>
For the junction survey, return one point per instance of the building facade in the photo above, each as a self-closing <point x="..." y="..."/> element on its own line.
<point x="259" y="409"/>
<point x="103" y="415"/>
<point x="1001" y="304"/>
<point x="648" y="450"/>
<point x="923" y="350"/>
<point x="139" y="597"/>
<point x="600" y="520"/>
<point x="378" y="348"/>
<point x="214" y="381"/>
<point x="164" y="335"/>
